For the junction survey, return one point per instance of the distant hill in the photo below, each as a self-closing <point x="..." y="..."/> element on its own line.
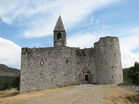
<point x="7" y="71"/>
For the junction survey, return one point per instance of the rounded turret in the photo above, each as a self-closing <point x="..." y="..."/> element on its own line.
<point x="108" y="61"/>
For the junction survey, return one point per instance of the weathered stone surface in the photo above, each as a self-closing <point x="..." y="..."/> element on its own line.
<point x="108" y="61"/>
<point x="43" y="68"/>
<point x="58" y="66"/>
<point x="54" y="67"/>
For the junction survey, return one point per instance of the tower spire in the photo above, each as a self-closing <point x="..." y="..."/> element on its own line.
<point x="59" y="34"/>
<point x="59" y="25"/>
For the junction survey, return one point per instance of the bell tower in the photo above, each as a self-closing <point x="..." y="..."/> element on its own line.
<point x="59" y="34"/>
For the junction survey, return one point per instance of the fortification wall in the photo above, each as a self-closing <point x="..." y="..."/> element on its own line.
<point x="108" y="61"/>
<point x="43" y="68"/>
<point x="86" y="63"/>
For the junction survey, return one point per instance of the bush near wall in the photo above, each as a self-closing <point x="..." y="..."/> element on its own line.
<point x="127" y="79"/>
<point x="133" y="73"/>
<point x="8" y="82"/>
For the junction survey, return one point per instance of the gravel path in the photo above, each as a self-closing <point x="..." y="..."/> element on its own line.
<point x="81" y="94"/>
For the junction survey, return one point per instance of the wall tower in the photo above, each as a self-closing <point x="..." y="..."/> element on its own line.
<point x="59" y="34"/>
<point x="108" y="61"/>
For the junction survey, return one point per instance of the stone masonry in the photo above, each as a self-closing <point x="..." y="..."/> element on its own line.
<point x="59" y="66"/>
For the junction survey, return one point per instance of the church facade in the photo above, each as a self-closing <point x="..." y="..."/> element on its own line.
<point x="59" y="66"/>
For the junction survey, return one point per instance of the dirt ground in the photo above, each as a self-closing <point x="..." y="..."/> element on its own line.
<point x="81" y="94"/>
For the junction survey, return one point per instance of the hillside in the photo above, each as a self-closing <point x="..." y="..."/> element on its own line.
<point x="81" y="94"/>
<point x="7" y="71"/>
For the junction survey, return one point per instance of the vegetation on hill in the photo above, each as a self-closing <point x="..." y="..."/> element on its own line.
<point x="131" y="75"/>
<point x="7" y="71"/>
<point x="9" y="77"/>
<point x="8" y="82"/>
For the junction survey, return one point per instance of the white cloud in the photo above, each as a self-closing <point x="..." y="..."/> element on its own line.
<point x="130" y="43"/>
<point x="82" y="41"/>
<point x="128" y="57"/>
<point x="9" y="10"/>
<point x="135" y="31"/>
<point x="9" y="53"/>
<point x="40" y="16"/>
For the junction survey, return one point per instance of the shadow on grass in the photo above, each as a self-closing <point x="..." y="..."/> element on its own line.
<point x="9" y="95"/>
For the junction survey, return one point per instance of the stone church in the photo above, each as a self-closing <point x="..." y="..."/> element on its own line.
<point x="60" y="65"/>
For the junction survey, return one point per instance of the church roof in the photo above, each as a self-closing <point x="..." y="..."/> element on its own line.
<point x="59" y="25"/>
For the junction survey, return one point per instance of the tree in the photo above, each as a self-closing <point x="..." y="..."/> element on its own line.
<point x="133" y="73"/>
<point x="8" y="82"/>
<point x="16" y="82"/>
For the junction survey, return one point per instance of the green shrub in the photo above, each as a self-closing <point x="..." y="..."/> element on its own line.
<point x="7" y="82"/>
<point x="126" y="78"/>
<point x="133" y="73"/>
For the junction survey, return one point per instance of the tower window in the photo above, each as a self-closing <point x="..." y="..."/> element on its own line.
<point x="59" y="36"/>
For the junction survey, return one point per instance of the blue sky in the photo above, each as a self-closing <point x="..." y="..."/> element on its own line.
<point x="30" y="23"/>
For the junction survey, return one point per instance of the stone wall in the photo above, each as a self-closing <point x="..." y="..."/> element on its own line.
<point x="43" y="68"/>
<point x="108" y="61"/>
<point x="86" y="62"/>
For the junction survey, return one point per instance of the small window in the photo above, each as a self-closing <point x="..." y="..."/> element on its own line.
<point x="67" y="60"/>
<point x="59" y="36"/>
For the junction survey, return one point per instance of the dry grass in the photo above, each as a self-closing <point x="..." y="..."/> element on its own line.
<point x="8" y="93"/>
<point x="134" y="98"/>
<point x="82" y="94"/>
